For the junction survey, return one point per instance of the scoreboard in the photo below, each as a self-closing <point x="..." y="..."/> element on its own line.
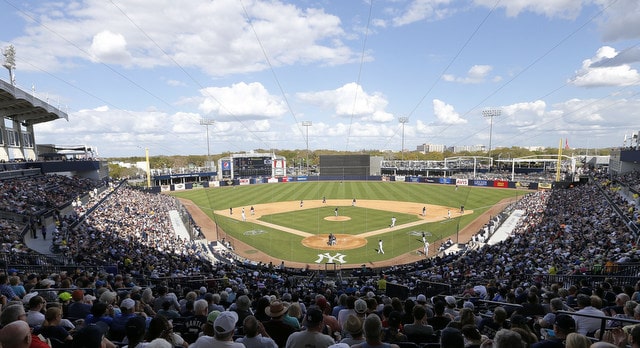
<point x="252" y="166"/>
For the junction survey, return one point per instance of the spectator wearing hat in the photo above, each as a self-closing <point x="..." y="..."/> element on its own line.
<point x="451" y="307"/>
<point x="242" y="307"/>
<point x="373" y="333"/>
<point x="255" y="335"/>
<point x="119" y="323"/>
<point x="330" y="321"/>
<point x="563" y="326"/>
<point x="275" y="327"/>
<point x="358" y="308"/>
<point x="35" y="316"/>
<point x="45" y="290"/>
<point x="312" y="336"/>
<point x="207" y="328"/>
<point x="419" y="331"/>
<point x="53" y="330"/>
<point x="224" y="327"/>
<point x="77" y="309"/>
<point x="353" y="331"/>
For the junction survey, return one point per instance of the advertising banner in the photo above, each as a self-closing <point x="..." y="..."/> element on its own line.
<point x="500" y="183"/>
<point x="462" y="182"/>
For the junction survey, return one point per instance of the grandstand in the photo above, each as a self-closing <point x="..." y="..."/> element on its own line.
<point x="64" y="221"/>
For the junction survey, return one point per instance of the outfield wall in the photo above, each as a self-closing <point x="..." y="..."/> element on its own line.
<point x="397" y="178"/>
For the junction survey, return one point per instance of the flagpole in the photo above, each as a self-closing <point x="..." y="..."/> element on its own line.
<point x="559" y="161"/>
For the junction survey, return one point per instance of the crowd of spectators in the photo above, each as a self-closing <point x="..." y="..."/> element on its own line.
<point x="573" y="231"/>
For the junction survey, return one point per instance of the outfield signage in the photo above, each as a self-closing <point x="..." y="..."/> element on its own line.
<point x="446" y="180"/>
<point x="500" y="183"/>
<point x="462" y="182"/>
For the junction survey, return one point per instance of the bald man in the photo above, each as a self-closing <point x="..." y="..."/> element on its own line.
<point x="16" y="334"/>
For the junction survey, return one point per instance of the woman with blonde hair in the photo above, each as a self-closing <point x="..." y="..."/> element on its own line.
<point x="576" y="340"/>
<point x="51" y="328"/>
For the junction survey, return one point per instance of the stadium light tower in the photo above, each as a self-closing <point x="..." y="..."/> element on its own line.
<point x="9" y="54"/>
<point x="207" y="122"/>
<point x="490" y="114"/>
<point x="403" y="120"/>
<point x="307" y="124"/>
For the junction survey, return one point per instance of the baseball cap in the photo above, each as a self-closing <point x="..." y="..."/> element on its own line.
<point x="212" y="316"/>
<point x="128" y="303"/>
<point x="322" y="303"/>
<point x="77" y="295"/>
<point x="64" y="296"/>
<point x="360" y="306"/>
<point x="565" y="322"/>
<point x="450" y="300"/>
<point x="421" y="299"/>
<point x="225" y="322"/>
<point x="314" y="316"/>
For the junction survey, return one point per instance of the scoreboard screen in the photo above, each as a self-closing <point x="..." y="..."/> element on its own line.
<point x="252" y="166"/>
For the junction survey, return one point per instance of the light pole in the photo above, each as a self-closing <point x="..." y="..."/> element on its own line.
<point x="207" y="122"/>
<point x="490" y="114"/>
<point x="403" y="120"/>
<point x="307" y="124"/>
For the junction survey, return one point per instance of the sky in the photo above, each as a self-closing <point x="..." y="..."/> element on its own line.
<point x="345" y="75"/>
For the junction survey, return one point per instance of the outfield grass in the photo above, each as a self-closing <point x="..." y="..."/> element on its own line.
<point x="288" y="247"/>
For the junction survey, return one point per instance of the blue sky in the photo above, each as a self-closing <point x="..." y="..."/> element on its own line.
<point x="137" y="74"/>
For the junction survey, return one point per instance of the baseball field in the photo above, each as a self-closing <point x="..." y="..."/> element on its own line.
<point x="291" y="222"/>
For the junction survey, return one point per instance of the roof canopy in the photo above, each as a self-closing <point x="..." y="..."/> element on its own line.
<point x="23" y="107"/>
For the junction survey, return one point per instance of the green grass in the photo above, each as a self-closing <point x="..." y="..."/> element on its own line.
<point x="398" y="241"/>
<point x="362" y="220"/>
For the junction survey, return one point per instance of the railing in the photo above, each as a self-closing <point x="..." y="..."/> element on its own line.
<point x="603" y="320"/>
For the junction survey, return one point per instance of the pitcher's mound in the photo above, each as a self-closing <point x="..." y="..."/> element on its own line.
<point x="337" y="218"/>
<point x="344" y="242"/>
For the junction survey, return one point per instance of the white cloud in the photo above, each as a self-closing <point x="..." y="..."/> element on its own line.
<point x="214" y="36"/>
<point x="593" y="75"/>
<point x="351" y="100"/>
<point x="241" y="101"/>
<point x="620" y="20"/>
<point x="446" y="114"/>
<point x="109" y="48"/>
<point x="569" y="9"/>
<point x="476" y="74"/>
<point x="418" y="10"/>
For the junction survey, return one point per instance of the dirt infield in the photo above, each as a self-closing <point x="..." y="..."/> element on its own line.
<point x="434" y="213"/>
<point x="343" y="242"/>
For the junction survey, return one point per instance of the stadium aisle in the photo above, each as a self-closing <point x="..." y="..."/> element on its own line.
<point x="39" y="244"/>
